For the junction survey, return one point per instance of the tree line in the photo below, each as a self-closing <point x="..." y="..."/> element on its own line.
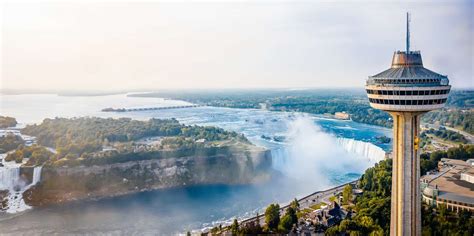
<point x="81" y="140"/>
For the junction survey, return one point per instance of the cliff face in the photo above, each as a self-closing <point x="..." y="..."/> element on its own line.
<point x="62" y="184"/>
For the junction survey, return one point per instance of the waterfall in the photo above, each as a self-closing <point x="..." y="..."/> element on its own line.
<point x="279" y="158"/>
<point x="9" y="177"/>
<point x="10" y="180"/>
<point x="36" y="175"/>
<point x="362" y="149"/>
<point x="358" y="149"/>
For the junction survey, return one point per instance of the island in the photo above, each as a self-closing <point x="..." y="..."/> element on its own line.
<point x="92" y="158"/>
<point x="6" y="121"/>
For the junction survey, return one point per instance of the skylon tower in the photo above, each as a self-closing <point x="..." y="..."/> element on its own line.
<point x="406" y="90"/>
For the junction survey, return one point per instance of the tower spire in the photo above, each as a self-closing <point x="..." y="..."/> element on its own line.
<point x="408" y="32"/>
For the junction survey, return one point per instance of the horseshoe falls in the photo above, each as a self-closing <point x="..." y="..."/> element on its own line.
<point x="361" y="149"/>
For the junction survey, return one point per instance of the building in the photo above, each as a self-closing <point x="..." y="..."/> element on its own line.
<point x="452" y="186"/>
<point x="342" y="115"/>
<point x="328" y="215"/>
<point x="406" y="90"/>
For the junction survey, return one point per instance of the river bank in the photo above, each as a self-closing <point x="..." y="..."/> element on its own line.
<point x="315" y="153"/>
<point x="304" y="202"/>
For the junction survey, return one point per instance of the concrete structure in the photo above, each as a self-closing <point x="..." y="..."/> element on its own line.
<point x="406" y="91"/>
<point x="452" y="186"/>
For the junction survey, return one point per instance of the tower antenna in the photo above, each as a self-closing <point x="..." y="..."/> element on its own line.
<point x="408" y="32"/>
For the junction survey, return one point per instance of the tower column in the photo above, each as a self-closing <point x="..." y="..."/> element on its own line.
<point x="406" y="200"/>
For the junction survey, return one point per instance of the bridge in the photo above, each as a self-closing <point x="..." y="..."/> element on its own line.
<point x="148" y="108"/>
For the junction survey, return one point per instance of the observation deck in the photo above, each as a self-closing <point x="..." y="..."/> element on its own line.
<point x="407" y="85"/>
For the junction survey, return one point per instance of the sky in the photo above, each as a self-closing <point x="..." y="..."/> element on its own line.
<point x="151" y="45"/>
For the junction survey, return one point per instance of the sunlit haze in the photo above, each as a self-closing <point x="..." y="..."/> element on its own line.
<point x="164" y="45"/>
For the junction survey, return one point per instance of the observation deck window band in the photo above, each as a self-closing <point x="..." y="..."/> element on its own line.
<point x="408" y="92"/>
<point x="408" y="102"/>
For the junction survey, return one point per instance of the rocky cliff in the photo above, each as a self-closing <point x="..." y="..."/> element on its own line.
<point x="63" y="184"/>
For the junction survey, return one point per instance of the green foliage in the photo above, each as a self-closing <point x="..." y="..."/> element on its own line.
<point x="90" y="133"/>
<point x="295" y="204"/>
<point x="441" y="221"/>
<point x="453" y="117"/>
<point x="251" y="228"/>
<point x="10" y="142"/>
<point x="36" y="154"/>
<point x="234" y="228"/>
<point x="6" y="121"/>
<point x="81" y="140"/>
<point x="354" y="102"/>
<point x="373" y="207"/>
<point x="378" y="179"/>
<point x="272" y="217"/>
<point x="317" y="206"/>
<point x="288" y="220"/>
<point x="445" y="134"/>
<point x="347" y="194"/>
<point x="429" y="161"/>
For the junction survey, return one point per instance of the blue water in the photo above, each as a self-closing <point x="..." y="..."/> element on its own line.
<point x="308" y="160"/>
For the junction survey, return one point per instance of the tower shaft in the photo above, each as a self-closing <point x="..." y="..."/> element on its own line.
<point x="406" y="199"/>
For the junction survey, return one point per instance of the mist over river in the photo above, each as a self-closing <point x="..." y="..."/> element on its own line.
<point x="310" y="153"/>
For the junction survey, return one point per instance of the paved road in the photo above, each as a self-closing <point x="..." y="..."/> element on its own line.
<point x="306" y="202"/>
<point x="469" y="137"/>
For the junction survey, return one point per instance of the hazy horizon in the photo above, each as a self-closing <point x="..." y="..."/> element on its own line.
<point x="148" y="46"/>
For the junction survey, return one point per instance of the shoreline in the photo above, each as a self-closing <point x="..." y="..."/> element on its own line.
<point x="302" y="201"/>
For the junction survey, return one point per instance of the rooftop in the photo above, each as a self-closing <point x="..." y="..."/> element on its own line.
<point x="450" y="185"/>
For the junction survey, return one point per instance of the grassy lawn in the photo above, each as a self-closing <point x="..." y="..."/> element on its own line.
<point x="318" y="206"/>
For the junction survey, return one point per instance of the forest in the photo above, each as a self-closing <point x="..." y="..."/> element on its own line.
<point x="81" y="141"/>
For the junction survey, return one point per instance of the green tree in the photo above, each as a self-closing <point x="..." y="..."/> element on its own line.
<point x="234" y="228"/>
<point x="272" y="216"/>
<point x="288" y="220"/>
<point x="347" y="194"/>
<point x="295" y="205"/>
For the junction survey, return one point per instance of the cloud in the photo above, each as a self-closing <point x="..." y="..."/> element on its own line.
<point x="155" y="45"/>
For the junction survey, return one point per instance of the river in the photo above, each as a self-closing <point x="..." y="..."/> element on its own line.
<point x="310" y="152"/>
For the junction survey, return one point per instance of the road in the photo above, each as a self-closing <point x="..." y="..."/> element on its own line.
<point x="468" y="136"/>
<point x="306" y="202"/>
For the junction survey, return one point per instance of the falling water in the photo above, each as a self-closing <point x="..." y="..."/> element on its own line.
<point x="10" y="180"/>
<point x="366" y="150"/>
<point x="36" y="175"/>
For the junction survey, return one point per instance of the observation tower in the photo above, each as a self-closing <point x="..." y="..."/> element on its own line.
<point x="406" y="90"/>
